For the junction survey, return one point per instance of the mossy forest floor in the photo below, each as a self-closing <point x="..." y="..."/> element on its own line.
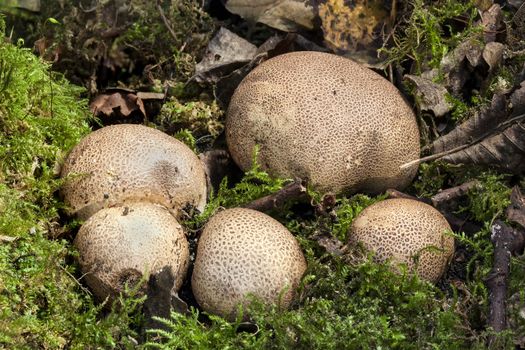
<point x="52" y="62"/>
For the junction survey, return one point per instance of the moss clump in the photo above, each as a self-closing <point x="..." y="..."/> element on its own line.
<point x="42" y="304"/>
<point x="340" y="307"/>
<point x="203" y="118"/>
<point x="256" y="183"/>
<point x="431" y="31"/>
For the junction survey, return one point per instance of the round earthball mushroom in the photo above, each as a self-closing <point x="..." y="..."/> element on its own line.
<point x="244" y="252"/>
<point x="405" y="231"/>
<point x="126" y="163"/>
<point x="118" y="245"/>
<point x="325" y="119"/>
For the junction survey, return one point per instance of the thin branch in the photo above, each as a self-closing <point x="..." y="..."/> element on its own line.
<point x="453" y="193"/>
<point x="166" y="22"/>
<point x="292" y="191"/>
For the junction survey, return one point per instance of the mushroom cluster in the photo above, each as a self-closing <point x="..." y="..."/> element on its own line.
<point x="130" y="183"/>
<point x="314" y="116"/>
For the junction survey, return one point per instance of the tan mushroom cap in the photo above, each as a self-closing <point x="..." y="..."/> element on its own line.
<point x="118" y="245"/>
<point x="126" y="163"/>
<point x="405" y="231"/>
<point x="323" y="118"/>
<point x="242" y="252"/>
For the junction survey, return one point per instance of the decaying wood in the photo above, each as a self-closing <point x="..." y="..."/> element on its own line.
<point x="452" y="194"/>
<point x="292" y="191"/>
<point x="506" y="241"/>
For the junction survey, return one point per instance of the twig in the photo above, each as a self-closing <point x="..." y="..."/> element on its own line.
<point x="453" y="193"/>
<point x="505" y="241"/>
<point x="166" y="22"/>
<point x="294" y="190"/>
<point x="439" y="155"/>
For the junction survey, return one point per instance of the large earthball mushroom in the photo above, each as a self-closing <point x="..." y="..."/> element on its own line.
<point x="325" y="119"/>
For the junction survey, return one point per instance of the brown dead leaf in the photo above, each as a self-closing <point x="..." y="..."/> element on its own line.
<point x="225" y="53"/>
<point x="285" y="15"/>
<point x="431" y="95"/>
<point x="516" y="210"/>
<point x="493" y="54"/>
<point x="491" y="20"/>
<point x="495" y="136"/>
<point x="116" y="105"/>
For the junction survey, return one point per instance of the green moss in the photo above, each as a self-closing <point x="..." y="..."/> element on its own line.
<point x="431" y="31"/>
<point x="488" y="200"/>
<point x="42" y="305"/>
<point x="255" y="184"/>
<point x="201" y="117"/>
<point x="340" y="307"/>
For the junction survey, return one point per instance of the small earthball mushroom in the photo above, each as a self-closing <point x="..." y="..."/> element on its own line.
<point x="405" y="231"/>
<point x="118" y="245"/>
<point x="325" y="119"/>
<point x="244" y="252"/>
<point x="127" y="162"/>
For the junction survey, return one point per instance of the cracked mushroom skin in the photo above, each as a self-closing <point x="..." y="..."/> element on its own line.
<point x="244" y="252"/>
<point x="405" y="231"/>
<point x="325" y="119"/>
<point x="119" y="245"/>
<point x="125" y="163"/>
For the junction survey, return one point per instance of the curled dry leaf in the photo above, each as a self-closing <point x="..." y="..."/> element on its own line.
<point x="493" y="54"/>
<point x="516" y="210"/>
<point x="516" y="28"/>
<point x="118" y="104"/>
<point x="432" y="96"/>
<point x="225" y="53"/>
<point x="491" y="20"/>
<point x="285" y="15"/>
<point x="493" y="137"/>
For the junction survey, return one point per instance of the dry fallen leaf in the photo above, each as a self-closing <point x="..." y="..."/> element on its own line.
<point x="118" y="104"/>
<point x="285" y="15"/>
<point x="225" y="53"/>
<point x="432" y="96"/>
<point x="493" y="137"/>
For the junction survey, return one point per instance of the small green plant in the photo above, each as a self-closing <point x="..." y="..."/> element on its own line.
<point x="202" y="118"/>
<point x="256" y="183"/>
<point x="488" y="200"/>
<point x="422" y="37"/>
